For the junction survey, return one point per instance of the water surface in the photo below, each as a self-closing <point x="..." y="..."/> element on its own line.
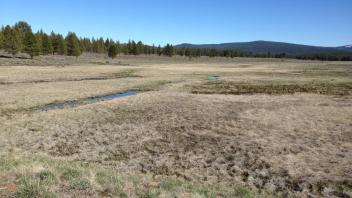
<point x="75" y="103"/>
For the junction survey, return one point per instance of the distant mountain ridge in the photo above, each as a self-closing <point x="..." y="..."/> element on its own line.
<point x="262" y="47"/>
<point x="346" y="48"/>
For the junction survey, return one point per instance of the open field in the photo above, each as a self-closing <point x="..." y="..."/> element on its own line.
<point x="262" y="127"/>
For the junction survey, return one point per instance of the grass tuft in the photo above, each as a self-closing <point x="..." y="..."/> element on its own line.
<point x="70" y="174"/>
<point x="33" y="187"/>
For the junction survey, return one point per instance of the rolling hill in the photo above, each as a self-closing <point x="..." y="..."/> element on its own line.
<point x="272" y="47"/>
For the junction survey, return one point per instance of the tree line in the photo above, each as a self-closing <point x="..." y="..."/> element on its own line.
<point x="21" y="38"/>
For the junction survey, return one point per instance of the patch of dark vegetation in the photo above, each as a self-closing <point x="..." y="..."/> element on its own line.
<point x="11" y="57"/>
<point x="228" y="87"/>
<point x="108" y="63"/>
<point x="153" y="86"/>
<point x="130" y="73"/>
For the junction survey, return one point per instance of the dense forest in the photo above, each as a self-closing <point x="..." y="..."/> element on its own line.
<point x="21" y="38"/>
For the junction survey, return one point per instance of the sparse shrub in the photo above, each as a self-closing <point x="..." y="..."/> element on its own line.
<point x="70" y="174"/>
<point x="80" y="184"/>
<point x="46" y="177"/>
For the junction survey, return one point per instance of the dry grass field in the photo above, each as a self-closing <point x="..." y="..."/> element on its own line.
<point x="241" y="127"/>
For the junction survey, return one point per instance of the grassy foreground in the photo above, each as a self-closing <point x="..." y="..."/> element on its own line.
<point x="23" y="175"/>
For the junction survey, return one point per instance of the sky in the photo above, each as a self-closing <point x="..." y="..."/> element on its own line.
<point x="311" y="22"/>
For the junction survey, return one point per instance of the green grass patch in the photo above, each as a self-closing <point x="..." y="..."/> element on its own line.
<point x="69" y="177"/>
<point x="32" y="186"/>
<point x="70" y="174"/>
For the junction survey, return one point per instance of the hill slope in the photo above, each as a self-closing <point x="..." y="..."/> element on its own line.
<point x="272" y="47"/>
<point x="346" y="48"/>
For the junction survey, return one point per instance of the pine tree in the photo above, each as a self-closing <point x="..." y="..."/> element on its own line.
<point x="39" y="37"/>
<point x="101" y="46"/>
<point x="12" y="40"/>
<point x="86" y="45"/>
<point x="129" y="47"/>
<point x="153" y="49"/>
<point x="23" y="27"/>
<point x="134" y="50"/>
<point x="168" y="50"/>
<point x="47" y="46"/>
<point x="31" y="45"/>
<point x="62" y="47"/>
<point x="107" y="44"/>
<point x="118" y="47"/>
<point x="1" y="38"/>
<point x="159" y="51"/>
<point x="125" y="48"/>
<point x="112" y="51"/>
<point x="139" y="48"/>
<point x="55" y="42"/>
<point x="73" y="48"/>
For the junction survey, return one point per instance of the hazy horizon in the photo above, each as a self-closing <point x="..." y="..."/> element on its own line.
<point x="310" y="23"/>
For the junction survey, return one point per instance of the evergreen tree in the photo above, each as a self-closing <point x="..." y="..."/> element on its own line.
<point x="62" y="47"/>
<point x="12" y="40"/>
<point x="134" y="49"/>
<point x="139" y="48"/>
<point x="100" y="46"/>
<point x="153" y="49"/>
<point x="129" y="47"/>
<point x="23" y="27"/>
<point x="58" y="44"/>
<point x="73" y="48"/>
<point x="159" y="51"/>
<point x="168" y="50"/>
<point x="125" y="49"/>
<point x="1" y="38"/>
<point x="31" y="45"/>
<point x="112" y="51"/>
<point x="118" y="47"/>
<point x="86" y="45"/>
<point x="47" y="46"/>
<point x="107" y="44"/>
<point x="39" y="38"/>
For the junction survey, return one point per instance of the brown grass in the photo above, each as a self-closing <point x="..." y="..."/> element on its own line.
<point x="228" y="87"/>
<point x="274" y="139"/>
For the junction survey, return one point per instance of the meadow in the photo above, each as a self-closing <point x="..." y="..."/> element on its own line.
<point x="201" y="127"/>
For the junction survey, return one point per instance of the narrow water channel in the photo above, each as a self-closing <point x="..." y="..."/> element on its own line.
<point x="75" y="103"/>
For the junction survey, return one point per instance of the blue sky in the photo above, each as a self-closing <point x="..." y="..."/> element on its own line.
<point x="313" y="22"/>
